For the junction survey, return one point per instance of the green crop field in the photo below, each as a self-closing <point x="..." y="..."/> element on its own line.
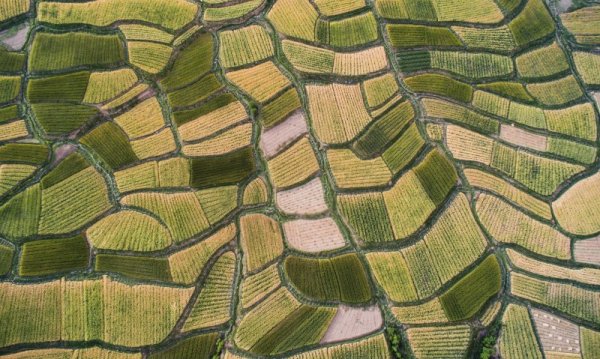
<point x="308" y="179"/>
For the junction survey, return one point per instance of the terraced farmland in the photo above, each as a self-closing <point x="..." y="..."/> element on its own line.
<point x="299" y="179"/>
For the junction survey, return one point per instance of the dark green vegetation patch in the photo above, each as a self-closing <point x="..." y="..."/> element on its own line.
<point x="20" y="215"/>
<point x="67" y="87"/>
<point x="532" y="24"/>
<point x="342" y="278"/>
<point x="59" y="51"/>
<point x="298" y="329"/>
<point x="414" y="61"/>
<point x="51" y="256"/>
<point x="199" y="346"/>
<point x="62" y="118"/>
<point x="11" y="61"/>
<point x="30" y="153"/>
<point x="222" y="170"/>
<point x="10" y="88"/>
<point x="146" y="268"/>
<point x="437" y="175"/>
<point x="194" y="60"/>
<point x="9" y="113"/>
<point x="6" y="258"/>
<point x="111" y="144"/>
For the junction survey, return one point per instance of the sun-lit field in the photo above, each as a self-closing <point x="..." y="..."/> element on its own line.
<point x="299" y="178"/>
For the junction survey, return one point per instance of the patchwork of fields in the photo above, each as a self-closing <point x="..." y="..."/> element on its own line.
<point x="299" y="178"/>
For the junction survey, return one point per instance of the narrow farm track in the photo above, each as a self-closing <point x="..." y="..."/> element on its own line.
<point x="299" y="178"/>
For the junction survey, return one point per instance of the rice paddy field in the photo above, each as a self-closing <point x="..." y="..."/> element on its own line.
<point x="307" y="179"/>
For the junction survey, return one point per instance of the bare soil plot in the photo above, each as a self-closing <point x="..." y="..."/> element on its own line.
<point x="558" y="336"/>
<point x="590" y="276"/>
<point x="522" y="138"/>
<point x="588" y="251"/>
<point x="350" y="323"/>
<point x="14" y="39"/>
<point x="307" y="199"/>
<point x="313" y="235"/>
<point x="276" y="138"/>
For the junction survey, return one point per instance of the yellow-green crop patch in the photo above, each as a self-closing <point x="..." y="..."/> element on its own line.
<point x="170" y="14"/>
<point x="299" y="178"/>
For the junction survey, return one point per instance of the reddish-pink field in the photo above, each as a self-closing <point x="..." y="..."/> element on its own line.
<point x="275" y="139"/>
<point x="313" y="235"/>
<point x="307" y="199"/>
<point x="522" y="138"/>
<point x="588" y="251"/>
<point x="16" y="40"/>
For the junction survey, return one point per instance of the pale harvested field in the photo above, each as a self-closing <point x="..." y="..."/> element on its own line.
<point x="523" y="138"/>
<point x="350" y="323"/>
<point x="313" y="235"/>
<point x="15" y="41"/>
<point x="588" y="251"/>
<point x="276" y="138"/>
<point x="307" y="199"/>
<point x="558" y="336"/>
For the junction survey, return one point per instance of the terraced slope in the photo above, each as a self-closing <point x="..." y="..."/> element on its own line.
<point x="295" y="178"/>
